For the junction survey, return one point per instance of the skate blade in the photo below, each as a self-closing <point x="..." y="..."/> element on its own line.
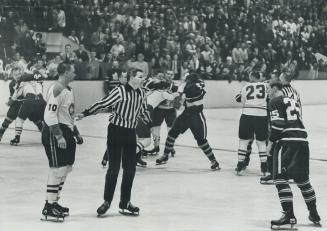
<point x="53" y="219"/>
<point x="267" y="183"/>
<point x="215" y="169"/>
<point x="162" y="163"/>
<point x="129" y="213"/>
<point x="286" y="227"/>
<point x="140" y="165"/>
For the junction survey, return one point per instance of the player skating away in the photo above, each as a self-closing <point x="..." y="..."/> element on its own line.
<point x="253" y="121"/>
<point x="286" y="78"/>
<point x="58" y="138"/>
<point x="290" y="154"/>
<point x="192" y="117"/>
<point x="30" y="89"/>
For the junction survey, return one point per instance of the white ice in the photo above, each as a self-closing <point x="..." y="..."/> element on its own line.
<point x="184" y="195"/>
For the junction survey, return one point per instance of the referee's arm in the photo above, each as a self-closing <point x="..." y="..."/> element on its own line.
<point x="145" y="114"/>
<point x="113" y="98"/>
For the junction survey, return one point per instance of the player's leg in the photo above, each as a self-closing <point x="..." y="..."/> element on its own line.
<point x="181" y="124"/>
<point x="129" y="168"/>
<point x="268" y="178"/>
<point x="286" y="200"/>
<point x="115" y="137"/>
<point x="245" y="134"/>
<point x="261" y="133"/>
<point x="105" y="158"/>
<point x="157" y="119"/>
<point x="303" y="182"/>
<point x="199" y="130"/>
<point x="10" y="117"/>
<point x="170" y="117"/>
<point x="248" y="152"/>
<point x="144" y="139"/>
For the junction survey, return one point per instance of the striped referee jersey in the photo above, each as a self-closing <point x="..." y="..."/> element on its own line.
<point x="127" y="103"/>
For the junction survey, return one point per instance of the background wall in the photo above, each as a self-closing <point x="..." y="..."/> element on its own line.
<point x="219" y="93"/>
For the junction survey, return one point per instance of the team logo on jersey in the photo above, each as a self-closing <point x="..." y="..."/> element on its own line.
<point x="71" y="109"/>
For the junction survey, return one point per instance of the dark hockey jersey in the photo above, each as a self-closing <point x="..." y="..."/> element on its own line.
<point x="286" y="123"/>
<point x="194" y="93"/>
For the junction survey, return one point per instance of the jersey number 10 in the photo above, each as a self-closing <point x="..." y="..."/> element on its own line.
<point x="52" y="107"/>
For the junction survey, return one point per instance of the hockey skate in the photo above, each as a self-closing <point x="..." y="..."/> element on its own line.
<point x="173" y="152"/>
<point x="52" y="212"/>
<point x="241" y="165"/>
<point x="141" y="163"/>
<point x="64" y="210"/>
<point x="314" y="217"/>
<point x="103" y="208"/>
<point x="162" y="160"/>
<point x="153" y="152"/>
<point x="129" y="209"/>
<point x="264" y="168"/>
<point x="267" y="179"/>
<point x="15" y="141"/>
<point x="286" y="222"/>
<point x="214" y="165"/>
<point x="2" y="131"/>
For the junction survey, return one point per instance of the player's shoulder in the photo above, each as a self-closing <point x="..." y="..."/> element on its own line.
<point x="277" y="100"/>
<point x="57" y="89"/>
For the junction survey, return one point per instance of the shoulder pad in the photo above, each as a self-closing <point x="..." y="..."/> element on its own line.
<point x="57" y="89"/>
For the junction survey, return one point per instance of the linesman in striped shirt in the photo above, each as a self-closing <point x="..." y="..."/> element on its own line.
<point x="290" y="155"/>
<point x="128" y="102"/>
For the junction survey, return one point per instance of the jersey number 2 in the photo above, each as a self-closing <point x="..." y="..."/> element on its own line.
<point x="259" y="92"/>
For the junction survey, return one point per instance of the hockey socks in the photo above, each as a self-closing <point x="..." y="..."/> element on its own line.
<point x="285" y="195"/>
<point x="308" y="194"/>
<point x="169" y="146"/>
<point x="204" y="145"/>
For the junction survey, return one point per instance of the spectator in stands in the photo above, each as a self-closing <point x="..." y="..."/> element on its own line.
<point x="74" y="37"/>
<point x="118" y="50"/>
<point x="52" y="67"/>
<point x="26" y="46"/>
<point x="69" y="56"/>
<point x="61" y="19"/>
<point x="40" y="46"/>
<point x="93" y="69"/>
<point x="81" y="53"/>
<point x="141" y="64"/>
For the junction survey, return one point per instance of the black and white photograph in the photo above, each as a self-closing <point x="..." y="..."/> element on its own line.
<point x="163" y="115"/>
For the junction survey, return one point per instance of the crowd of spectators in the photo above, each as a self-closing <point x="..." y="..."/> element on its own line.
<point x="221" y="39"/>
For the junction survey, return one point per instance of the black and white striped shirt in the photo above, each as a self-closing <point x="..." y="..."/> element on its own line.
<point x="290" y="92"/>
<point x="128" y="104"/>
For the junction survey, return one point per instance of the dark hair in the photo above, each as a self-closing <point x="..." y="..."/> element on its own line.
<point x="255" y="74"/>
<point x="133" y="71"/>
<point x="276" y="83"/>
<point x="63" y="67"/>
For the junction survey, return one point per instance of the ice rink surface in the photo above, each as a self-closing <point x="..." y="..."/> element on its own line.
<point x="183" y="195"/>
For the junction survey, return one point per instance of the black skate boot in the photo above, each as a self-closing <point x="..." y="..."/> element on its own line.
<point x="52" y="212"/>
<point x="162" y="160"/>
<point x="103" y="208"/>
<point x="15" y="141"/>
<point x="65" y="210"/>
<point x="246" y="161"/>
<point x="264" y="168"/>
<point x="267" y="179"/>
<point x="286" y="222"/>
<point x="314" y="217"/>
<point x="214" y="165"/>
<point x="240" y="167"/>
<point x="2" y="131"/>
<point x="129" y="209"/>
<point x="141" y="163"/>
<point x="153" y="152"/>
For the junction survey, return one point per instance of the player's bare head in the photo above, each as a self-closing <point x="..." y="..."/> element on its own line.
<point x="66" y="71"/>
<point x="286" y="76"/>
<point x="17" y="72"/>
<point x="136" y="77"/>
<point x="255" y="76"/>
<point x="169" y="75"/>
<point x="192" y="77"/>
<point x="274" y="87"/>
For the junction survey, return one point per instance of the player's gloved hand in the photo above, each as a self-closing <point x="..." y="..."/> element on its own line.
<point x="79" y="139"/>
<point x="61" y="142"/>
<point x="79" y="116"/>
<point x="10" y="101"/>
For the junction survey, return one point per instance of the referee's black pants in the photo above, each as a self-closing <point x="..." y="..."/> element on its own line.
<point x="121" y="146"/>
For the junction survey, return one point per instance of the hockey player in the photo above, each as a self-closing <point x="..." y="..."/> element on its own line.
<point x="30" y="88"/>
<point x="290" y="155"/>
<point x="58" y="139"/>
<point x="192" y="117"/>
<point x="253" y="121"/>
<point x="165" y="111"/>
<point x="14" y="105"/>
<point x="286" y="78"/>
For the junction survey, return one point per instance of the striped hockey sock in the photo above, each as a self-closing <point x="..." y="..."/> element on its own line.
<point x="241" y="155"/>
<point x="308" y="193"/>
<point x="285" y="195"/>
<point x="169" y="146"/>
<point x="19" y="126"/>
<point x="207" y="150"/>
<point x="5" y="124"/>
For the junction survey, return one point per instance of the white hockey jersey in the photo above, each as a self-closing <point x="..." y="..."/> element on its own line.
<point x="60" y="109"/>
<point x="254" y="99"/>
